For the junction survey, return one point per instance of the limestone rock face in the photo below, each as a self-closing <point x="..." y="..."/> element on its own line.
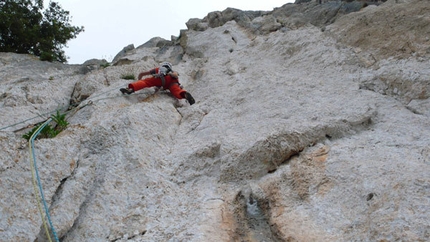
<point x="297" y="134"/>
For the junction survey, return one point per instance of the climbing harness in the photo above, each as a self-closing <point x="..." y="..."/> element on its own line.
<point x="162" y="72"/>
<point x="163" y="83"/>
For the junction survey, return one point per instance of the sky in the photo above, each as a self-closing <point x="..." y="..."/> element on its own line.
<point x="110" y="25"/>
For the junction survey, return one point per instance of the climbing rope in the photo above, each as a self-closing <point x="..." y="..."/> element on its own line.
<point x="21" y="122"/>
<point x="88" y="102"/>
<point x="36" y="182"/>
<point x="37" y="185"/>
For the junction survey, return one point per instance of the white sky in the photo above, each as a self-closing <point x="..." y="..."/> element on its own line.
<point x="111" y="25"/>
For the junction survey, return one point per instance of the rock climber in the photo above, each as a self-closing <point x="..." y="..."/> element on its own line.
<point x="162" y="76"/>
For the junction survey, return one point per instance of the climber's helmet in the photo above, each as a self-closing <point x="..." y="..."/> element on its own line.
<point x="167" y="65"/>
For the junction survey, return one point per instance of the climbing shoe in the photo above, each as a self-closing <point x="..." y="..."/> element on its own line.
<point x="189" y="98"/>
<point x="126" y="90"/>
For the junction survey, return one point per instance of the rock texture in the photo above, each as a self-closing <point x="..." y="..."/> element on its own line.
<point x="304" y="129"/>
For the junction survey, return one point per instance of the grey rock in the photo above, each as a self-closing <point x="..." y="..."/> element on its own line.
<point x="93" y="64"/>
<point x="296" y="135"/>
<point x="156" y="42"/>
<point x="420" y="106"/>
<point x="125" y="51"/>
<point x="196" y="24"/>
<point x="291" y="16"/>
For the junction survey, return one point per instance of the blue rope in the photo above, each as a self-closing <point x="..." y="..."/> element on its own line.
<point x="38" y="179"/>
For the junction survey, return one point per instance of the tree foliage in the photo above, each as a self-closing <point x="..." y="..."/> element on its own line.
<point x="27" y="28"/>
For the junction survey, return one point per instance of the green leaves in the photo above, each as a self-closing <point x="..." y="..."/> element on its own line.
<point x="50" y="131"/>
<point x="61" y="121"/>
<point x="25" y="28"/>
<point x="128" y="77"/>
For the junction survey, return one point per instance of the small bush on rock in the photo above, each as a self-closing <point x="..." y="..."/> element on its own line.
<point x="50" y="131"/>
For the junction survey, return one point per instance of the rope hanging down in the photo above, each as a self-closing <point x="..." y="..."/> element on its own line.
<point x="37" y="185"/>
<point x="36" y="182"/>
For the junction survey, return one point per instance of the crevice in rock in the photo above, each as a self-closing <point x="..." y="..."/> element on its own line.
<point x="370" y="196"/>
<point x="3" y="96"/>
<point x="82" y="211"/>
<point x="73" y="102"/>
<point x="256" y="207"/>
<point x="394" y="79"/>
<point x="234" y="39"/>
<point x="96" y="184"/>
<point x="56" y="199"/>
<point x="252" y="218"/>
<point x="414" y="111"/>
<point x="59" y="190"/>
<point x="266" y="155"/>
<point x="129" y="238"/>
